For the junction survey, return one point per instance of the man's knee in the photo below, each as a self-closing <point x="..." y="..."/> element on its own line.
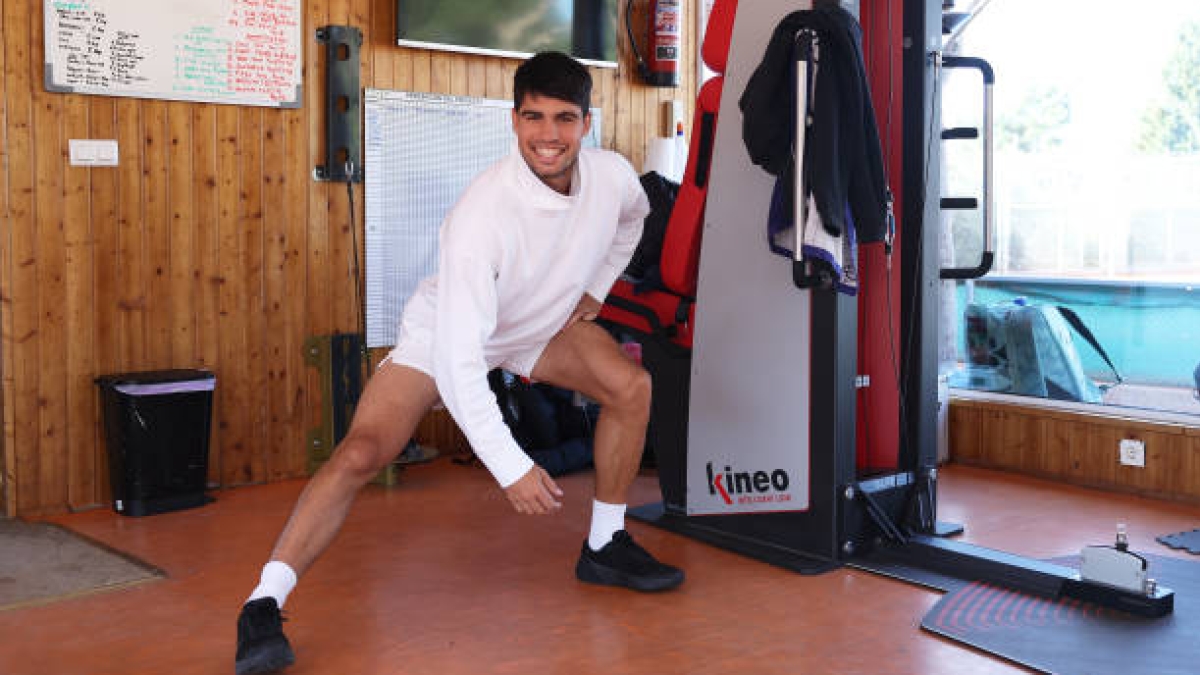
<point x="632" y="391"/>
<point x="359" y="457"/>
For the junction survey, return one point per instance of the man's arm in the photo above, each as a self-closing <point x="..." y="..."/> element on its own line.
<point x="466" y="317"/>
<point x="535" y="493"/>
<point x="587" y="310"/>
<point x="634" y="207"/>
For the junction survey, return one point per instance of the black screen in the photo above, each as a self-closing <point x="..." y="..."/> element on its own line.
<point x="585" y="29"/>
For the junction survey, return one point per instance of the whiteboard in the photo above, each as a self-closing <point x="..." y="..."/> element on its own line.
<point x="420" y="151"/>
<point x="246" y="52"/>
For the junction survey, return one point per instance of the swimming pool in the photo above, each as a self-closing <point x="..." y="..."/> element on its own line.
<point x="1151" y="331"/>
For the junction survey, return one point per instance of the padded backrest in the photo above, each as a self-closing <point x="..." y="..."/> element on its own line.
<point x="680" y="260"/>
<point x="681" y="243"/>
<point x="717" y="34"/>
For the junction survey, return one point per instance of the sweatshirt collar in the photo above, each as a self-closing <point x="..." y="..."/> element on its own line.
<point x="542" y="195"/>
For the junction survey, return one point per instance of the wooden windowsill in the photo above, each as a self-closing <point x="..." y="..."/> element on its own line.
<point x="1159" y="420"/>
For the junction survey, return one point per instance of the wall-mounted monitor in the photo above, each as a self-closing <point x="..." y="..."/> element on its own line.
<point x="585" y="29"/>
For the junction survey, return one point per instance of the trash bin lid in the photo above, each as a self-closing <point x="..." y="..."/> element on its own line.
<point x="159" y="381"/>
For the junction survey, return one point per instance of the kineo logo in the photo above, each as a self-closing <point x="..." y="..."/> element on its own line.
<point x="747" y="487"/>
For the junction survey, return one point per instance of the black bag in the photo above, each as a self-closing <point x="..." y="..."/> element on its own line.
<point x="643" y="267"/>
<point x="545" y="422"/>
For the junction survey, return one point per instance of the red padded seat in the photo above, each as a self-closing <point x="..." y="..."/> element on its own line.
<point x="655" y="312"/>
<point x="669" y="313"/>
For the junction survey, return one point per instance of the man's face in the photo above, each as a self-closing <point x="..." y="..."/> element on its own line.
<point x="549" y="133"/>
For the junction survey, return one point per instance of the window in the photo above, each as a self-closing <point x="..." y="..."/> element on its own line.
<point x="1097" y="204"/>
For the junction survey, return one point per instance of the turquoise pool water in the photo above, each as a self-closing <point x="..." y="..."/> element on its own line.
<point x="1150" y="331"/>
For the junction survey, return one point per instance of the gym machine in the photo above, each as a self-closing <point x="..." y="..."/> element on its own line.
<point x="754" y="427"/>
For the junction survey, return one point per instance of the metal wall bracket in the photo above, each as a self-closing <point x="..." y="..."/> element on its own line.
<point x="343" y="105"/>
<point x="338" y="359"/>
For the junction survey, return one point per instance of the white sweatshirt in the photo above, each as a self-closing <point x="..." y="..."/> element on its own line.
<point x="515" y="259"/>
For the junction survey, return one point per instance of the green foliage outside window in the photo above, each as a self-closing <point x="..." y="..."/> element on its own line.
<point x="1173" y="125"/>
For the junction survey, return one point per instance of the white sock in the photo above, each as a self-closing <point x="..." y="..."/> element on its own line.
<point x="277" y="580"/>
<point x="606" y="520"/>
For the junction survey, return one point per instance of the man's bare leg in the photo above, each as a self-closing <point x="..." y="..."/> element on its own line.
<point x="585" y="358"/>
<point x="393" y="403"/>
<point x="395" y="399"/>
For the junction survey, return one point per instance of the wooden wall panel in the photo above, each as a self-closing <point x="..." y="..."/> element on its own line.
<point x="50" y="265"/>
<point x="194" y="253"/>
<point x="77" y="261"/>
<point x="174" y="246"/>
<point x="318" y="317"/>
<point x="965" y="428"/>
<point x="230" y="412"/>
<point x="128" y="315"/>
<point x="1054" y="461"/>
<point x="149" y="304"/>
<point x="106" y="269"/>
<point x="1076" y="447"/>
<point x="209" y="246"/>
<point x="254" y="339"/>
<point x="1189" y="464"/>
<point x="291" y="461"/>
<point x="274" y="355"/>
<point x="20" y="296"/>
<point x="8" y="458"/>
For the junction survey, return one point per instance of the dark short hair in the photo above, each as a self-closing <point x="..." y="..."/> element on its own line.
<point x="556" y="75"/>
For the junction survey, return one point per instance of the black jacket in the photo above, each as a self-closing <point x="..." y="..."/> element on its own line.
<point x="842" y="153"/>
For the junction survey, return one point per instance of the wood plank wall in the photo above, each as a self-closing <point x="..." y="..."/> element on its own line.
<point x="1076" y="448"/>
<point x="209" y="246"/>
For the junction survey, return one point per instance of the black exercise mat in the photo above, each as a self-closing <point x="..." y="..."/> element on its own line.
<point x="1188" y="541"/>
<point x="1070" y="637"/>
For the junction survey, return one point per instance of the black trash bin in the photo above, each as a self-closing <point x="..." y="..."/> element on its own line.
<point x="156" y="427"/>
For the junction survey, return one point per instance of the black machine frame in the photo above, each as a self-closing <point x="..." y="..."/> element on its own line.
<point x="883" y="522"/>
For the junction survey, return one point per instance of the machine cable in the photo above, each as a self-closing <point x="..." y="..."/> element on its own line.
<point x="920" y="506"/>
<point x="359" y="311"/>
<point x="909" y="345"/>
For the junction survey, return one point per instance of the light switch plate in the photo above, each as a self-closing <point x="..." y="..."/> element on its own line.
<point x="93" y="152"/>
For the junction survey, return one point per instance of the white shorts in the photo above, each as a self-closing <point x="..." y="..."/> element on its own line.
<point x="414" y="348"/>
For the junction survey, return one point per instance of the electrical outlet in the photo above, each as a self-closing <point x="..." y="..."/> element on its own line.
<point x="1133" y="452"/>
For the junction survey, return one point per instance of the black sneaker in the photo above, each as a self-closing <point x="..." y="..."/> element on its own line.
<point x="261" y="645"/>
<point x="623" y="563"/>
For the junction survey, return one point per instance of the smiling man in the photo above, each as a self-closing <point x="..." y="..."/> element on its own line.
<point x="526" y="256"/>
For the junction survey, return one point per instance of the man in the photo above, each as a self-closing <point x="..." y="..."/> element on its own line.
<point x="526" y="256"/>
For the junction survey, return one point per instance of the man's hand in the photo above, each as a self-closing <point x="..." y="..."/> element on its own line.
<point x="535" y="493"/>
<point x="587" y="310"/>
